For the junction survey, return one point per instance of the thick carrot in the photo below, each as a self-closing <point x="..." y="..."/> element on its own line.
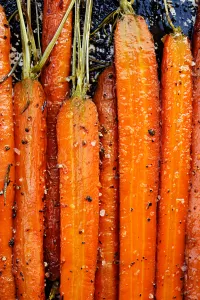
<point x="176" y="92"/>
<point x="7" y="173"/>
<point x="78" y="159"/>
<point x="106" y="282"/>
<point x="192" y="278"/>
<point x="30" y="143"/>
<point x="138" y="114"/>
<point x="56" y="86"/>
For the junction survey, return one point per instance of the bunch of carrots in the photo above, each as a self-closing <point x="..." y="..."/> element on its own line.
<point x="99" y="198"/>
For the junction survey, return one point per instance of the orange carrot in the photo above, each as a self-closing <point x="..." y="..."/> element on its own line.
<point x="106" y="283"/>
<point x="192" y="278"/>
<point x="176" y="92"/>
<point x="7" y="173"/>
<point x="56" y="86"/>
<point x="30" y="143"/>
<point x="138" y="114"/>
<point x="78" y="160"/>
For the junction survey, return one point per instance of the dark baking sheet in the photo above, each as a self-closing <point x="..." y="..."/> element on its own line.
<point x="183" y="15"/>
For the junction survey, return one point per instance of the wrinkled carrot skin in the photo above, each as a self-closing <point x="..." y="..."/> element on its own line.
<point x="30" y="143"/>
<point x="138" y="114"/>
<point x="78" y="158"/>
<point x="106" y="280"/>
<point x="56" y="88"/>
<point x="192" y="276"/>
<point x="7" y="286"/>
<point x="176" y="93"/>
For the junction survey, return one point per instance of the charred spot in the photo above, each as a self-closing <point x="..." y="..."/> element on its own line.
<point x="5" y="37"/>
<point x="6" y="25"/>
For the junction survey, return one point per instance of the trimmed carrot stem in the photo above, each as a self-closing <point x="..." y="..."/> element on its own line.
<point x="138" y="114"/>
<point x="7" y="169"/>
<point x="56" y="87"/>
<point x="176" y="92"/>
<point x="192" y="275"/>
<point x="106" y="283"/>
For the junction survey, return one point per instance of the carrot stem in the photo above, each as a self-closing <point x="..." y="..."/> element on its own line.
<point x="25" y="42"/>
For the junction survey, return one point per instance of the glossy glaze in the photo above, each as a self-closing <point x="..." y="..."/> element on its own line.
<point x="78" y="159"/>
<point x="30" y="144"/>
<point x="7" y="286"/>
<point x="138" y="113"/>
<point x="176" y="92"/>
<point x="106" y="283"/>
<point x="56" y="86"/>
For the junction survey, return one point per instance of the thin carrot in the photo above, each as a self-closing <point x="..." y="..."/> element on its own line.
<point x="176" y="93"/>
<point x="30" y="143"/>
<point x="192" y="275"/>
<point x="56" y="87"/>
<point x="78" y="160"/>
<point x="106" y="282"/>
<point x="138" y="114"/>
<point x="7" y="173"/>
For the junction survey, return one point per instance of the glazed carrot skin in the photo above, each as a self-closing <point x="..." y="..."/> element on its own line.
<point x="30" y="143"/>
<point x="106" y="281"/>
<point x="56" y="88"/>
<point x="78" y="159"/>
<point x="138" y="114"/>
<point x="192" y="276"/>
<point x="7" y="286"/>
<point x="175" y="165"/>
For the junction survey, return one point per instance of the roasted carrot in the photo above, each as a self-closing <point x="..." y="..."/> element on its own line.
<point x="78" y="160"/>
<point x="192" y="275"/>
<point x="138" y="114"/>
<point x="30" y="135"/>
<point x="106" y="281"/>
<point x="7" y="171"/>
<point x="56" y="87"/>
<point x="30" y="143"/>
<point x="176" y="95"/>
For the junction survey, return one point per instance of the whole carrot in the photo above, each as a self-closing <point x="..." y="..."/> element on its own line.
<point x="7" y="171"/>
<point x="106" y="282"/>
<point x="192" y="276"/>
<point x="78" y="160"/>
<point x="138" y="114"/>
<point x="176" y="93"/>
<point x="30" y="143"/>
<point x="56" y="87"/>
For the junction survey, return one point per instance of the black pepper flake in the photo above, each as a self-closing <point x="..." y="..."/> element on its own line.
<point x="11" y="242"/>
<point x="88" y="198"/>
<point x="91" y="281"/>
<point x="131" y="209"/>
<point x="7" y="148"/>
<point x="149" y="205"/>
<point x="80" y="232"/>
<point x="83" y="243"/>
<point x="24" y="142"/>
<point x="27" y="129"/>
<point x="151" y="132"/>
<point x="148" y="219"/>
<point x="132" y="263"/>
